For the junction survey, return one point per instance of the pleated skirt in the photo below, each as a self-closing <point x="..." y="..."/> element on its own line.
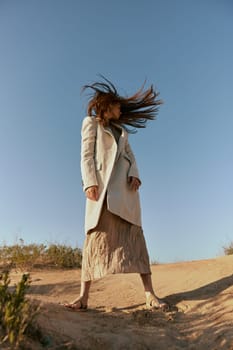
<point x="114" y="246"/>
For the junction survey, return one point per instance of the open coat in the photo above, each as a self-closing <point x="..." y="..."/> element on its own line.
<point x="108" y="165"/>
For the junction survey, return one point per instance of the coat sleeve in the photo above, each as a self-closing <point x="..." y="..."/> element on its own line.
<point x="88" y="139"/>
<point x="133" y="170"/>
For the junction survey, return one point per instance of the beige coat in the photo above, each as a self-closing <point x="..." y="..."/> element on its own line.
<point x="108" y="165"/>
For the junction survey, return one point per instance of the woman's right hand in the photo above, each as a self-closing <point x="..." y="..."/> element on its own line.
<point x="92" y="193"/>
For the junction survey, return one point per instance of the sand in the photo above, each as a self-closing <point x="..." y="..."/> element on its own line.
<point x="200" y="292"/>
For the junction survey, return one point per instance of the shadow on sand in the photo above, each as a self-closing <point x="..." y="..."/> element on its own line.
<point x="140" y="328"/>
<point x="205" y="292"/>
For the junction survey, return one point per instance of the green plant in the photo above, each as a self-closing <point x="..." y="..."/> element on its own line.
<point x="16" y="312"/>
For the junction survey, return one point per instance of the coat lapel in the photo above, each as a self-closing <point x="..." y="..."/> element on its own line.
<point x="121" y="141"/>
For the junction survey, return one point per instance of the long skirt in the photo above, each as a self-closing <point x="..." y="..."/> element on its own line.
<point x="114" y="246"/>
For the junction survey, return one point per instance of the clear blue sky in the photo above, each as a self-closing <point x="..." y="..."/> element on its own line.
<point x="50" y="49"/>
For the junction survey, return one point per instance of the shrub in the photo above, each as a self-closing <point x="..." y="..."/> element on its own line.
<point x="16" y="312"/>
<point x="21" y="256"/>
<point x="64" y="256"/>
<point x="228" y="250"/>
<point x="26" y="257"/>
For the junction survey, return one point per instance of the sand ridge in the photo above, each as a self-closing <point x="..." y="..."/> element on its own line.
<point x="200" y="292"/>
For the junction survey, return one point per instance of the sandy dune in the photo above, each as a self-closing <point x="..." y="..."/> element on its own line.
<point x="201" y="293"/>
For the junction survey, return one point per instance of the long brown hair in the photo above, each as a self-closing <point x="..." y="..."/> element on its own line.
<point x="136" y="110"/>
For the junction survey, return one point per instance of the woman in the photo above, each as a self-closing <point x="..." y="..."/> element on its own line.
<point x="114" y="238"/>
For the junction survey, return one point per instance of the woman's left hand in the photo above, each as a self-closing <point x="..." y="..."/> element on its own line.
<point x="134" y="183"/>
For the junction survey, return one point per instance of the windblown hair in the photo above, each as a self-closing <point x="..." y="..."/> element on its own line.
<point x="136" y="110"/>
